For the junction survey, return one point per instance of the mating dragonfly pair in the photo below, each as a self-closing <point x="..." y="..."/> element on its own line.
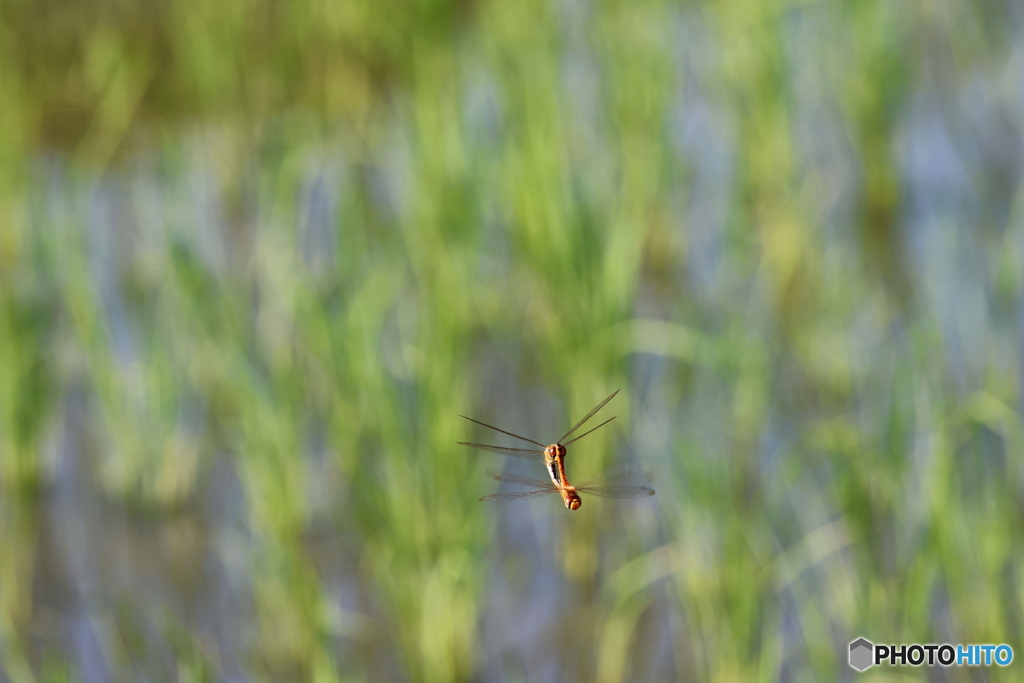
<point x="613" y="485"/>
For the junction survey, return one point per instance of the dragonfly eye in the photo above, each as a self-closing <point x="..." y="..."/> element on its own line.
<point x="573" y="503"/>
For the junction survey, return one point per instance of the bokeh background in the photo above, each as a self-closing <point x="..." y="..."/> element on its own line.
<point x="256" y="258"/>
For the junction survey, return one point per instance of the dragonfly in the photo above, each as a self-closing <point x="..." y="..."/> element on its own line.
<point x="604" y="486"/>
<point x="553" y="455"/>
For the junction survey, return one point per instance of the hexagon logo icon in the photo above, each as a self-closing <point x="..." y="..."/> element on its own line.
<point x="860" y="654"/>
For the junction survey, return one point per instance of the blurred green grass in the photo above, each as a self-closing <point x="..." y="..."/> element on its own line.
<point x="256" y="258"/>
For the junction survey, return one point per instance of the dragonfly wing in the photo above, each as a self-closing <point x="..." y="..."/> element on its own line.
<point x="519" y="479"/>
<point x="589" y="415"/>
<point x="589" y="431"/>
<point x="517" y="452"/>
<point x="517" y="496"/>
<point x="515" y="436"/>
<point x="617" y="491"/>
<point x="629" y="473"/>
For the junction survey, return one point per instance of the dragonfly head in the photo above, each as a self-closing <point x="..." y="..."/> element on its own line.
<point x="555" y="450"/>
<point x="572" y="500"/>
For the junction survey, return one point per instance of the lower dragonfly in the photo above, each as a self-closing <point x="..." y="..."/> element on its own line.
<point x="613" y="486"/>
<point x="553" y="457"/>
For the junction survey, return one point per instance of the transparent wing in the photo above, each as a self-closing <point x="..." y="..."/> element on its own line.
<point x="589" y="415"/>
<point x="517" y="496"/>
<point x="592" y="430"/>
<point x="617" y="491"/>
<point x="515" y="436"/>
<point x="517" y="452"/>
<point x="519" y="479"/>
<point x="631" y="473"/>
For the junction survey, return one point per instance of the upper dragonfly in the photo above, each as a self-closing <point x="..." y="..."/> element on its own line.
<point x="552" y="456"/>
